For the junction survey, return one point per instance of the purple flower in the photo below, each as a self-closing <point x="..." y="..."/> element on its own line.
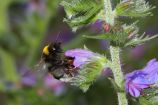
<point x="36" y="6"/>
<point x="81" y="56"/>
<point x="107" y="72"/>
<point x="28" y="78"/>
<point x="57" y="86"/>
<point x="97" y="26"/>
<point x="138" y="52"/>
<point x="141" y="79"/>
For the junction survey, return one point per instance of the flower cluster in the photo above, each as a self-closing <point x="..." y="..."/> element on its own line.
<point x="53" y="84"/>
<point x="135" y="82"/>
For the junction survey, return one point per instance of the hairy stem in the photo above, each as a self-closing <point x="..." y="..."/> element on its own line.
<point x="109" y="14"/>
<point x="118" y="75"/>
<point x="116" y="66"/>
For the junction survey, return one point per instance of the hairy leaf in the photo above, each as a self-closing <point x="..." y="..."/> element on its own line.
<point x="89" y="73"/>
<point x="133" y="8"/>
<point x="117" y="39"/>
<point x="150" y="96"/>
<point x="128" y="36"/>
<point x="81" y="12"/>
<point x="144" y="101"/>
<point x="140" y="39"/>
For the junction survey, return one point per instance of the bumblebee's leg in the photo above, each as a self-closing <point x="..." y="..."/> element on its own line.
<point x="50" y="68"/>
<point x="73" y="71"/>
<point x="66" y="70"/>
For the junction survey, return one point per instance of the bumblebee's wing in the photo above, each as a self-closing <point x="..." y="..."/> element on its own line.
<point x="40" y="66"/>
<point x="37" y="74"/>
<point x="40" y="69"/>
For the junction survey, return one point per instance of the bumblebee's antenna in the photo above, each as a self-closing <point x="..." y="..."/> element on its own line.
<point x="57" y="36"/>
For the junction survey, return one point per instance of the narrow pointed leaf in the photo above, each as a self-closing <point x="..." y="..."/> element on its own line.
<point x="134" y="8"/>
<point x="140" y="40"/>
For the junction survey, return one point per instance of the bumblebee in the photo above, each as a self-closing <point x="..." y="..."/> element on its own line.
<point x="57" y="63"/>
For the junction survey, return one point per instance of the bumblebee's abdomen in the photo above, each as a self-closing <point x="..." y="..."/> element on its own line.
<point x="57" y="71"/>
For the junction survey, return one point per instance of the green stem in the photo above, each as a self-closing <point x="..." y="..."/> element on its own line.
<point x="109" y="14"/>
<point x="116" y="66"/>
<point x="118" y="75"/>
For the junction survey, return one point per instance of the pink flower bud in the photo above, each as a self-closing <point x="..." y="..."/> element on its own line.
<point x="106" y="27"/>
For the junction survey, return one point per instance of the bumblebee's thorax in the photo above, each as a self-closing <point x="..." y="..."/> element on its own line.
<point x="53" y="53"/>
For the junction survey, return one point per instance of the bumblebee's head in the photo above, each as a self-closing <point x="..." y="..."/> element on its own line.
<point x="52" y="48"/>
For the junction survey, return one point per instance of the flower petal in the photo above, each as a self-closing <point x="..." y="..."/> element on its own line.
<point x="81" y="56"/>
<point x="78" y="53"/>
<point x="134" y="91"/>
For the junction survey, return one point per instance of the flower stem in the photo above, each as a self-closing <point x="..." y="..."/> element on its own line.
<point x="116" y="66"/>
<point x="109" y="14"/>
<point x="118" y="75"/>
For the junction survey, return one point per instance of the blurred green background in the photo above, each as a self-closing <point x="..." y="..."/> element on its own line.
<point x="28" y="25"/>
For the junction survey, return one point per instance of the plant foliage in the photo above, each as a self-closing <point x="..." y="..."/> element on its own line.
<point x="150" y="97"/>
<point x="128" y="36"/>
<point x="81" y="12"/>
<point x="133" y="8"/>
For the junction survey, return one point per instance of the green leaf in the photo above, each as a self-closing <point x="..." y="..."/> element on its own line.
<point x="117" y="39"/>
<point x="140" y="40"/>
<point x="144" y="101"/>
<point x="8" y="68"/>
<point x="131" y="28"/>
<point x="127" y="37"/>
<point x="81" y="12"/>
<point x="133" y="8"/>
<point x="150" y="96"/>
<point x="89" y="73"/>
<point x="107" y="36"/>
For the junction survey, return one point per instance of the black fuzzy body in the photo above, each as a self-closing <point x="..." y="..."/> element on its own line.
<point x="58" y="64"/>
